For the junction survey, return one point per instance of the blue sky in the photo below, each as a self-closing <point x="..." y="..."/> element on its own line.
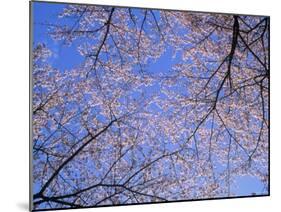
<point x="64" y="57"/>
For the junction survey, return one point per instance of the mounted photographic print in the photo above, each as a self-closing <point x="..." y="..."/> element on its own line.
<point x="138" y="105"/>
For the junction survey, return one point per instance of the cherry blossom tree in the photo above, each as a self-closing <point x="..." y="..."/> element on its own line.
<point x="111" y="131"/>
